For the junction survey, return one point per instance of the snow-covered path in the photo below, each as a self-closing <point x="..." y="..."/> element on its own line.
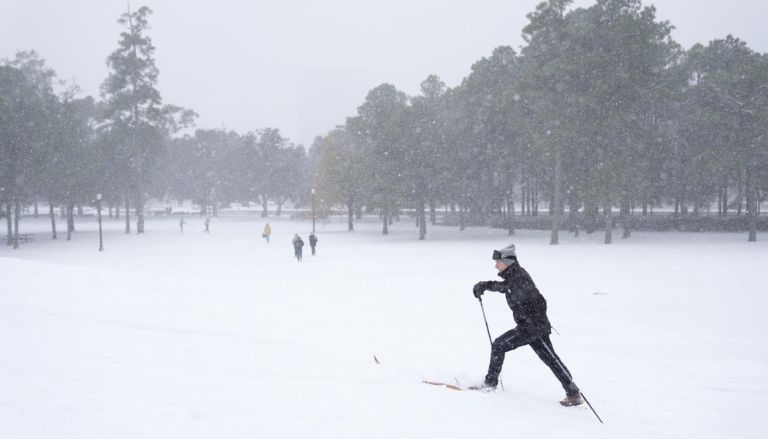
<point x="170" y="335"/>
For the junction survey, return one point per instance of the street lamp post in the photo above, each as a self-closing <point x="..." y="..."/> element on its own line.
<point x="98" y="214"/>
<point x="313" y="210"/>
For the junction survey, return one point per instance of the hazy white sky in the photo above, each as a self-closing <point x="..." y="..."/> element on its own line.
<point x="303" y="66"/>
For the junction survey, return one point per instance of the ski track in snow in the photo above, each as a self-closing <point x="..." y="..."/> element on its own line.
<point x="223" y="335"/>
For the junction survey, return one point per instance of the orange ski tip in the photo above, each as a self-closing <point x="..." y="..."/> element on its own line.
<point x="437" y="383"/>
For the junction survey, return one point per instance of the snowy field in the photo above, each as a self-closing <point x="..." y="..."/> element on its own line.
<point x="171" y="335"/>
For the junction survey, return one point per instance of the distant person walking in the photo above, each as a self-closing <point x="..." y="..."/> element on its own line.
<point x="298" y="246"/>
<point x="313" y="242"/>
<point x="181" y="225"/>
<point x="207" y="225"/>
<point x="267" y="231"/>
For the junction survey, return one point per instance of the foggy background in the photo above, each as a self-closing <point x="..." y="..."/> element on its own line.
<point x="305" y="66"/>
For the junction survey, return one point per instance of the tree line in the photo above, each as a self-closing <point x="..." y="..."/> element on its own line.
<point x="61" y="150"/>
<point x="601" y="113"/>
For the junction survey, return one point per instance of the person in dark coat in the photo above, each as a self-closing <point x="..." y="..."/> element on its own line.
<point x="313" y="242"/>
<point x="298" y="245"/>
<point x="529" y="309"/>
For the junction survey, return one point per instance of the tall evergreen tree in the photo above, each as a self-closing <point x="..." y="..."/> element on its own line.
<point x="138" y="121"/>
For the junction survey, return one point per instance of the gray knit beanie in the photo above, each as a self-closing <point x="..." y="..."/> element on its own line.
<point x="507" y="255"/>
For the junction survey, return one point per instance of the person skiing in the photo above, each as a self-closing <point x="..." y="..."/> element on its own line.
<point x="267" y="231"/>
<point x="207" y="225"/>
<point x="529" y="309"/>
<point x="181" y="225"/>
<point x="313" y="242"/>
<point x="298" y="245"/>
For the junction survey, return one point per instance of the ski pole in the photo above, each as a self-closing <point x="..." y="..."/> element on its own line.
<point x="486" y="321"/>
<point x="490" y="339"/>
<point x="565" y="371"/>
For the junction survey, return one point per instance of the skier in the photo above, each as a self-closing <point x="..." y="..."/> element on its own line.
<point x="313" y="242"/>
<point x="267" y="231"/>
<point x="298" y="245"/>
<point x="207" y="225"/>
<point x="181" y="225"/>
<point x="529" y="309"/>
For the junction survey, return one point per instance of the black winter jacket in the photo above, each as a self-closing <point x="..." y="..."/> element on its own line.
<point x="529" y="308"/>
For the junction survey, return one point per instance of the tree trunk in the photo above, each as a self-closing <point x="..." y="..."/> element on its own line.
<point x="625" y="218"/>
<point x="385" y="221"/>
<point x="523" y="198"/>
<point x="9" y="224"/>
<point x="528" y="204"/>
<point x="264" y="212"/>
<point x="722" y="195"/>
<point x="80" y="210"/>
<point x="350" y="215"/>
<point x="432" y="213"/>
<point x="422" y="222"/>
<point x="608" y="225"/>
<point x="573" y="212"/>
<point x="71" y="217"/>
<point x="140" y="213"/>
<point x="751" y="188"/>
<point x="528" y="197"/>
<point x="591" y="211"/>
<point x="70" y="221"/>
<point x="720" y="201"/>
<point x="511" y="217"/>
<point x="53" y="221"/>
<point x="127" y="215"/>
<point x="16" y="215"/>
<point x="36" y="213"/>
<point x="462" y="220"/>
<point x="554" y="238"/>
<point x="740" y="196"/>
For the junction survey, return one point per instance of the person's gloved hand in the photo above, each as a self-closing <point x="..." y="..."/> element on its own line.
<point x="478" y="289"/>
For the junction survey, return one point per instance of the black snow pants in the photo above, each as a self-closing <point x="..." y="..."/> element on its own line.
<point x="515" y="338"/>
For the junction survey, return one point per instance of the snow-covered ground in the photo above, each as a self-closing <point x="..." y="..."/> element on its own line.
<point x="171" y="335"/>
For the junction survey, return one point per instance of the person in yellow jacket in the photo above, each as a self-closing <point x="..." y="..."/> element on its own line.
<point x="267" y="231"/>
